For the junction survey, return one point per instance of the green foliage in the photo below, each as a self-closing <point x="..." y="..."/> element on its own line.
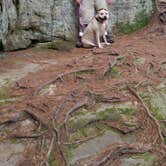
<point x="155" y="110"/>
<point x="13" y="140"/>
<point x="2" y="56"/>
<point x="141" y="20"/>
<point x="115" y="72"/>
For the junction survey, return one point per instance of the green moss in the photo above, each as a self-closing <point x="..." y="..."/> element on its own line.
<point x="164" y="140"/>
<point x="76" y="136"/>
<point x="73" y="125"/>
<point x="82" y="111"/>
<point x="82" y="118"/>
<point x="88" y="131"/>
<point x="2" y="94"/>
<point x="149" y="159"/>
<point x="116" y="113"/>
<point x="2" y="56"/>
<point x="115" y="72"/>
<point x="155" y="110"/>
<point x="68" y="152"/>
<point x="127" y="111"/>
<point x="109" y="113"/>
<point x="51" y="159"/>
<point x="13" y="140"/>
<point x="129" y="124"/>
<point x="3" y="97"/>
<point x="60" y="45"/>
<point x="141" y="20"/>
<point x="120" y="58"/>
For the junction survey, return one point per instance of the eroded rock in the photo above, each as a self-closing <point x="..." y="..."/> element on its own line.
<point x="85" y="124"/>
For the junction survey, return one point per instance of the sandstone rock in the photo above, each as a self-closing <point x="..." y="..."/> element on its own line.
<point x="23" y="22"/>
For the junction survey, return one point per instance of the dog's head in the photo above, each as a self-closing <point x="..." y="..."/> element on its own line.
<point x="102" y="15"/>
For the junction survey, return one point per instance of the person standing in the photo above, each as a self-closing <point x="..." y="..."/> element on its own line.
<point x="85" y="11"/>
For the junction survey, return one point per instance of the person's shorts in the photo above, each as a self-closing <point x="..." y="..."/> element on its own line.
<point x="88" y="9"/>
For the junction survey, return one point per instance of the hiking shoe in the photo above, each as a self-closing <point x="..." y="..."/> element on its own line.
<point x="109" y="40"/>
<point x="79" y="43"/>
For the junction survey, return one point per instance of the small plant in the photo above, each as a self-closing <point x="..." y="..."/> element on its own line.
<point x="51" y="159"/>
<point x="2" y="56"/>
<point x="115" y="72"/>
<point x="141" y="20"/>
<point x="2" y="94"/>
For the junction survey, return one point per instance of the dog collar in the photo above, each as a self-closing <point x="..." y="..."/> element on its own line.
<point x="100" y="20"/>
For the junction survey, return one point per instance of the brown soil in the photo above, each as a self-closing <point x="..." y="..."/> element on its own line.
<point x="79" y="77"/>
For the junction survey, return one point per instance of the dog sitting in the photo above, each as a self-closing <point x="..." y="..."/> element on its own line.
<point x="96" y="29"/>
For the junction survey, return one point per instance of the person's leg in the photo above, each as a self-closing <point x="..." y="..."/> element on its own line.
<point x="79" y="26"/>
<point x="85" y="12"/>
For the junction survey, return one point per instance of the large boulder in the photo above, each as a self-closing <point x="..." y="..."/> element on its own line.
<point x="24" y="22"/>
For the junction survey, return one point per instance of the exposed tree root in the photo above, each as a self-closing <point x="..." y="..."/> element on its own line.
<point x="61" y="76"/>
<point x="120" y="151"/>
<point x="50" y="148"/>
<point x="109" y="68"/>
<point x="111" y="53"/>
<point x="52" y="140"/>
<point x="34" y="136"/>
<point x="99" y="98"/>
<point x="122" y="129"/>
<point x="36" y="118"/>
<point x="74" y="109"/>
<point x="57" y="109"/>
<point x="147" y="112"/>
<point x="36" y="107"/>
<point x="62" y="154"/>
<point x="84" y="140"/>
<point x="140" y="83"/>
<point x="113" y="152"/>
<point x="11" y="117"/>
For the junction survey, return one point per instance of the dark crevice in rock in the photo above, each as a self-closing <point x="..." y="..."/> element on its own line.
<point x="17" y="4"/>
<point x="52" y="17"/>
<point x="1" y="46"/>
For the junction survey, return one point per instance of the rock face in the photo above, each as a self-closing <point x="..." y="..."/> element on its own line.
<point x="24" y="22"/>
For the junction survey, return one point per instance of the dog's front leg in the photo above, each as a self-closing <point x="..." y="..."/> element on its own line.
<point x="98" y="39"/>
<point x="105" y="40"/>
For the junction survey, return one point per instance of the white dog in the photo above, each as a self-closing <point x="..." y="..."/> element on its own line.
<point x="96" y="29"/>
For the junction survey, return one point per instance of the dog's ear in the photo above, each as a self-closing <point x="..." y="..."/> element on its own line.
<point x="98" y="14"/>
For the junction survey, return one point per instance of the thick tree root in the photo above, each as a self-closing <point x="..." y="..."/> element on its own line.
<point x="75" y="108"/>
<point x="61" y="76"/>
<point x="112" y="153"/>
<point x="147" y="112"/>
